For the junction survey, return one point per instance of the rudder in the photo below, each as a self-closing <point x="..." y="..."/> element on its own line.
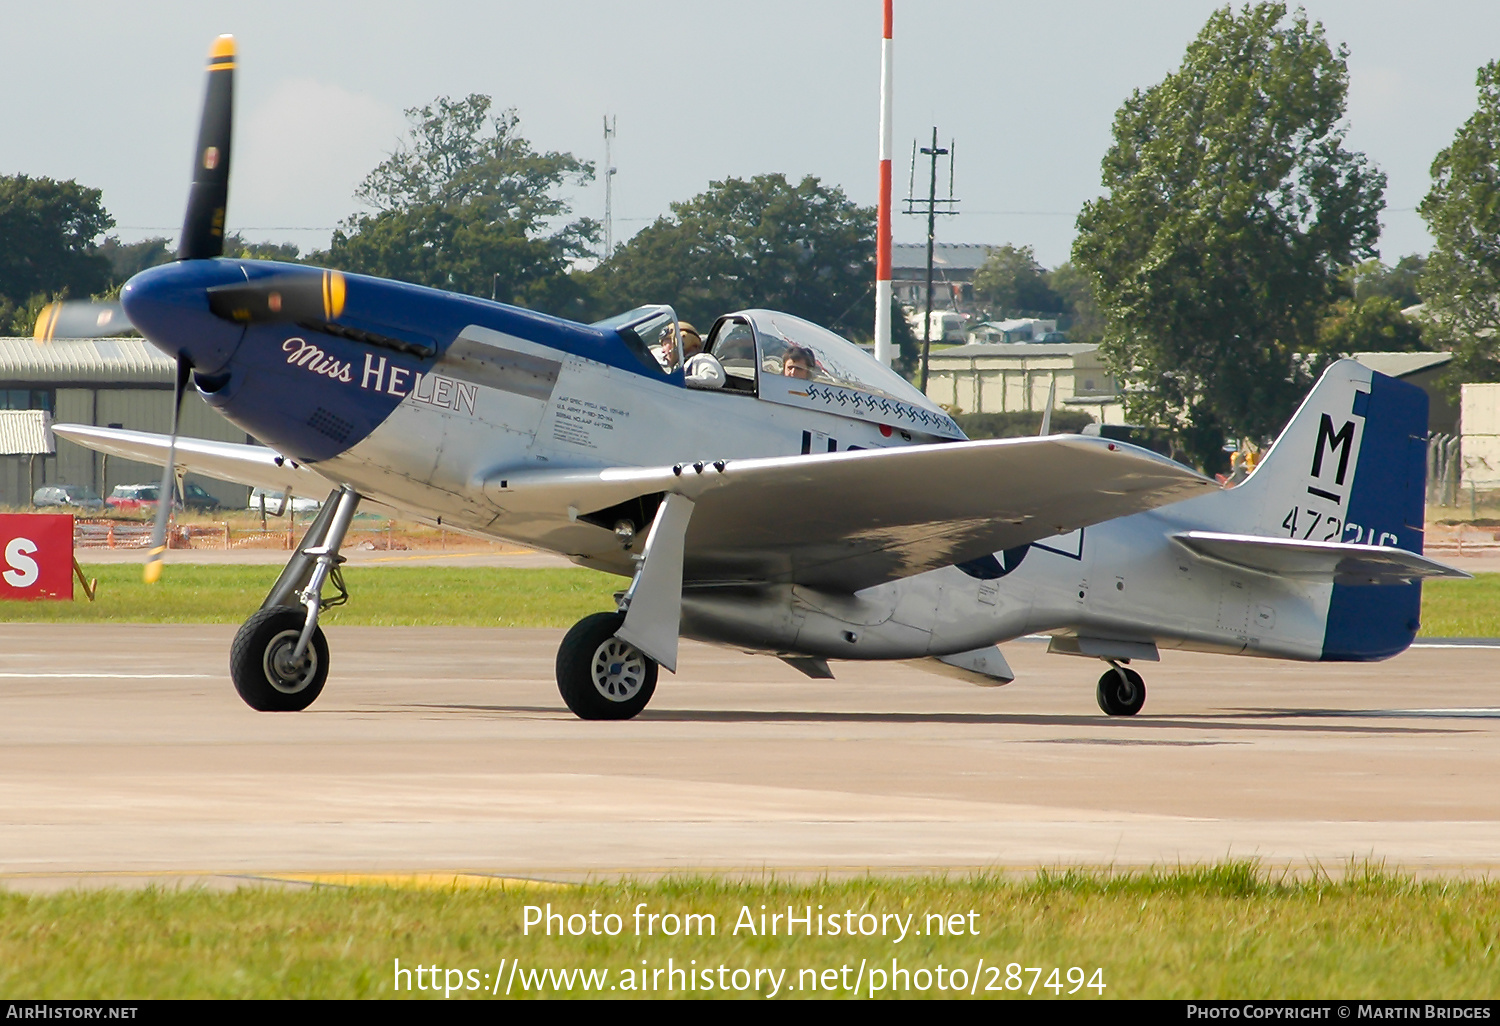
<point x="1351" y="467"/>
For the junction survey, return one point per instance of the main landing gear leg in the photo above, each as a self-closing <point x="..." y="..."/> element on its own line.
<point x="1122" y="691"/>
<point x="279" y="660"/>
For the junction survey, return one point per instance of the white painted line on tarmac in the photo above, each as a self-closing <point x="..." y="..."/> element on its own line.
<point x="109" y="676"/>
<point x="1433" y="714"/>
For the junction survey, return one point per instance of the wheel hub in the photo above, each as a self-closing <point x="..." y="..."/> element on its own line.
<point x="619" y="670"/>
<point x="283" y="674"/>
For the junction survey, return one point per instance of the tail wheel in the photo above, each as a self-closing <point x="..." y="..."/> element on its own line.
<point x="261" y="666"/>
<point x="600" y="676"/>
<point x="1122" y="691"/>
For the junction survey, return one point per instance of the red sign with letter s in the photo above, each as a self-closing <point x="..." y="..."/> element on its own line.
<point x="36" y="556"/>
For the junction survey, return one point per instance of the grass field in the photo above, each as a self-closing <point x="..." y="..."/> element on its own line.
<point x="380" y="596"/>
<point x="502" y="597"/>
<point x="1219" y="932"/>
<point x="1462" y="609"/>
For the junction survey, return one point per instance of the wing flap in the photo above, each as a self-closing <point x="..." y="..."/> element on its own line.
<point x="1335" y="562"/>
<point x="849" y="520"/>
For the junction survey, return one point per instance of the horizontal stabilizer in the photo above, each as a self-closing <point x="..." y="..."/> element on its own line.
<point x="1330" y="562"/>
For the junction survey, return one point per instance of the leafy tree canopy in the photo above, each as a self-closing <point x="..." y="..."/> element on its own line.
<point x="1461" y="283"/>
<point x="1085" y="321"/>
<point x="1012" y="284"/>
<point x="1401" y="282"/>
<point x="47" y="239"/>
<point x="129" y="259"/>
<point x="235" y="245"/>
<point x="1374" y="325"/>
<point x="1232" y="204"/>
<point x="804" y="248"/>
<point x="466" y="204"/>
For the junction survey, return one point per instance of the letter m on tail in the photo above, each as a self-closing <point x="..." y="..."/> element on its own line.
<point x="1342" y="440"/>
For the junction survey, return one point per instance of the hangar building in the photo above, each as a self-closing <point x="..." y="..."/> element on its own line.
<point x="107" y="382"/>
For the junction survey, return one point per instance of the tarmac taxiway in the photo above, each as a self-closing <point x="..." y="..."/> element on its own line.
<point x="125" y="755"/>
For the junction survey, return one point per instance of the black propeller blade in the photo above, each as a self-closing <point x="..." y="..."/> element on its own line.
<point x="310" y="299"/>
<point x="290" y="298"/>
<point x="167" y="493"/>
<point x="203" y="227"/>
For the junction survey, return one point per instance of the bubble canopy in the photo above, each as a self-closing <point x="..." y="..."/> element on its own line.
<point x="802" y="364"/>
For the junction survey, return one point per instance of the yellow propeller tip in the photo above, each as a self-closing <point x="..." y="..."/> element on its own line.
<point x="152" y="572"/>
<point x="46" y="322"/>
<point x="223" y="47"/>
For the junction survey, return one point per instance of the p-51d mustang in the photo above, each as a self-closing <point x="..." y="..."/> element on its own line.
<point x="782" y="493"/>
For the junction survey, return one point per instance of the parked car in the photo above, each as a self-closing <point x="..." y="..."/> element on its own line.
<point x="137" y="497"/>
<point x="272" y="500"/>
<point x="81" y="496"/>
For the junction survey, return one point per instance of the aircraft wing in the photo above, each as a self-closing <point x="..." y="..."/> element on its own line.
<point x="253" y="465"/>
<point x="849" y="520"/>
<point x="1336" y="562"/>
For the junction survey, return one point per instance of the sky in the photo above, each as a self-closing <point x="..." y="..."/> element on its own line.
<point x="109" y="93"/>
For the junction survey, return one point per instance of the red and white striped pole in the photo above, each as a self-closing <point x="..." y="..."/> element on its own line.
<point x="883" y="351"/>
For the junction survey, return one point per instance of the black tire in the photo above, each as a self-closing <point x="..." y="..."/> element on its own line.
<point x="601" y="677"/>
<point x="253" y="661"/>
<point x="1122" y="692"/>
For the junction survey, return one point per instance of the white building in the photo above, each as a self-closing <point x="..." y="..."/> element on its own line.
<point x="1001" y="378"/>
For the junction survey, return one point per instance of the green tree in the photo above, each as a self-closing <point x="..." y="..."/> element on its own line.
<point x="1085" y="322"/>
<point x="466" y="204"/>
<point x="1232" y="204"/>
<point x="1461" y="283"/>
<point x="47" y="240"/>
<point x="237" y="246"/>
<point x="1374" y="325"/>
<point x="126" y="260"/>
<point x="1401" y="283"/>
<point x="1012" y="284"/>
<point x="806" y="249"/>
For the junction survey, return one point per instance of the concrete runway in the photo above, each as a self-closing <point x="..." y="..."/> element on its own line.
<point x="126" y="756"/>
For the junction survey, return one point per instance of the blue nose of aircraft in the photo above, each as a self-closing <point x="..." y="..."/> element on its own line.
<point x="169" y="305"/>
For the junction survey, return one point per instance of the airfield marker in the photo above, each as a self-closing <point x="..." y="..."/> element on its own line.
<point x="883" y="220"/>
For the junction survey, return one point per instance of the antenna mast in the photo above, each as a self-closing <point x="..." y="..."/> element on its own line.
<point x="609" y="187"/>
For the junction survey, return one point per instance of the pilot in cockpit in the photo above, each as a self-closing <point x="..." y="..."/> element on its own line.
<point x="692" y="344"/>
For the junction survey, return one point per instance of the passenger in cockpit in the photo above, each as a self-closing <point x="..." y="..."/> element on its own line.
<point x="798" y="362"/>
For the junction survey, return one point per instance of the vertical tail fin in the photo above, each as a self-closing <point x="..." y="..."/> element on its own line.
<point x="1350" y="467"/>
